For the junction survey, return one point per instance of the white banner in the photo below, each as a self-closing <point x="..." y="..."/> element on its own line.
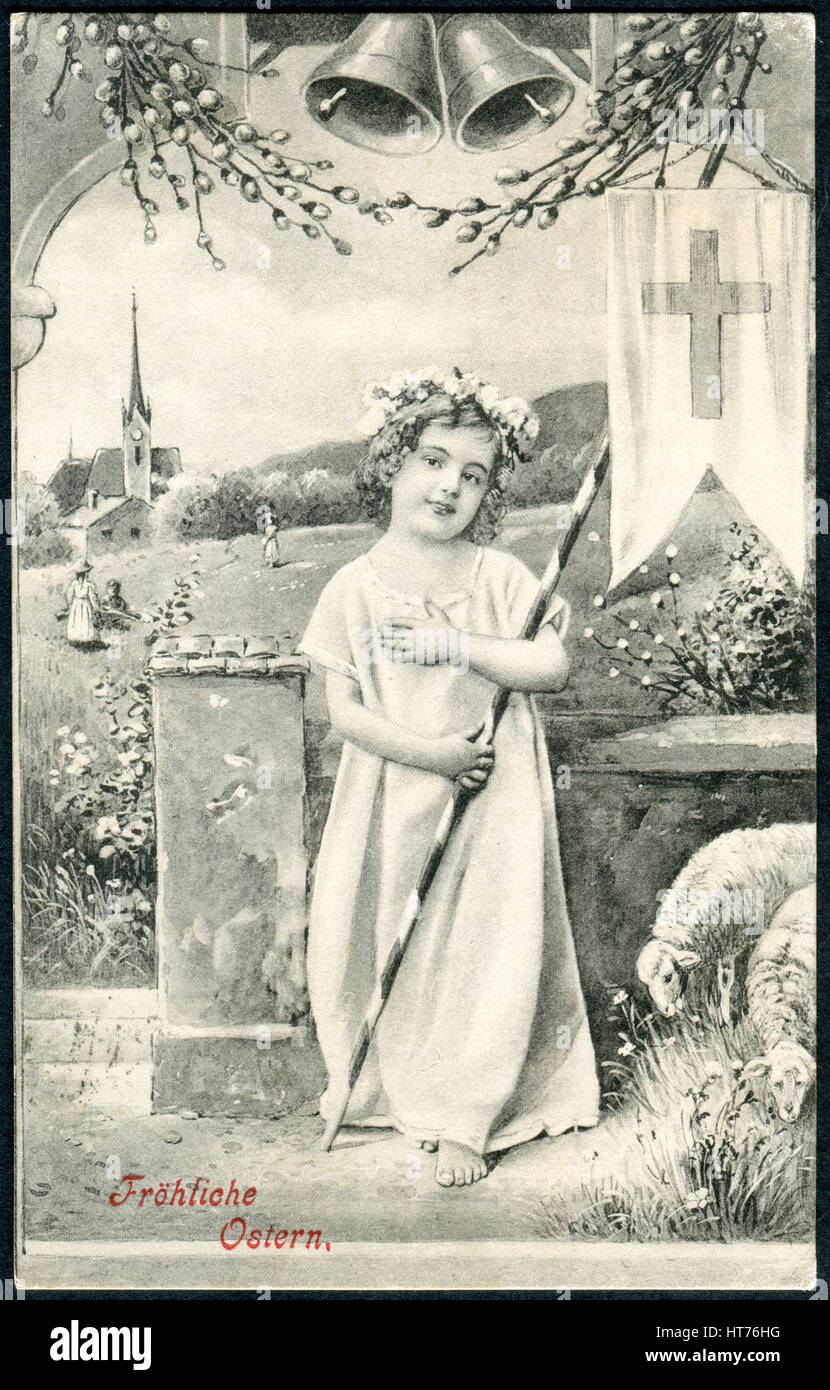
<point x="708" y="343"/>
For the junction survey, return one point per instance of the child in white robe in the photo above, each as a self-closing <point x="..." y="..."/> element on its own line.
<point x="484" y="1042"/>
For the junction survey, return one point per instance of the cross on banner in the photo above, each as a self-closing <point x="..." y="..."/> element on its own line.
<point x="705" y="298"/>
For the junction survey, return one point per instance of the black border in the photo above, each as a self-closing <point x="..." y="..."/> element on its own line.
<point x="189" y="1326"/>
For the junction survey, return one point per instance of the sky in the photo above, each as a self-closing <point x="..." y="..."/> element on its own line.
<point x="271" y="354"/>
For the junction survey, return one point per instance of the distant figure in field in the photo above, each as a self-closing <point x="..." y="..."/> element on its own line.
<point x="82" y="598"/>
<point x="270" y="545"/>
<point x="115" y="603"/>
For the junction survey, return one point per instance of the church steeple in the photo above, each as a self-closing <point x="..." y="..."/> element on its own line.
<point x="136" y="398"/>
<point x="135" y="423"/>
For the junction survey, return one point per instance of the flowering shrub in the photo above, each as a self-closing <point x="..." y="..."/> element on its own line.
<point x="88" y="888"/>
<point x="221" y="506"/>
<point x="752" y="647"/>
<point x="174" y="611"/>
<point x="105" y="807"/>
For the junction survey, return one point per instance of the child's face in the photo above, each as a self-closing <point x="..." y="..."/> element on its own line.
<point x="440" y="485"/>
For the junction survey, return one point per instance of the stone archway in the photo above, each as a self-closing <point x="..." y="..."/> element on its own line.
<point x="32" y="305"/>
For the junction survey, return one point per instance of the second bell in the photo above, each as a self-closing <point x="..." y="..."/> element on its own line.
<point x="499" y="91"/>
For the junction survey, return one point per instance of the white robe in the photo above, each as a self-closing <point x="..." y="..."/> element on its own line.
<point x="83" y="602"/>
<point x="484" y="1039"/>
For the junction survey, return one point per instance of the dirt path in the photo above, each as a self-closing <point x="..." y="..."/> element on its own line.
<point x="374" y="1185"/>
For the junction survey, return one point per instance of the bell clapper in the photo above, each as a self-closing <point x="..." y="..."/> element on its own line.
<point x="327" y="108"/>
<point x="542" y="111"/>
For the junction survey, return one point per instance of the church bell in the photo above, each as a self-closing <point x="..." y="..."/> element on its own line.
<point x="499" y="92"/>
<point x="379" y="89"/>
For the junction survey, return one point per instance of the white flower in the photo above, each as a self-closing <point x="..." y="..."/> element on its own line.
<point x="674" y="579"/>
<point x="622" y="643"/>
<point x="488" y="395"/>
<point x="710" y="607"/>
<point x="613" y="672"/>
<point x="646" y="680"/>
<point x="643" y="569"/>
<point x="593" y="537"/>
<point x="681" y="632"/>
<point x="588" y="632"/>
<point x="634" y="625"/>
<point x="620" y="997"/>
<point x="462" y="386"/>
<point x="398" y="383"/>
<point x="599" y="601"/>
<point x="657" y="599"/>
<point x="513" y="405"/>
<point x="645" y="656"/>
<point x="626" y="1049"/>
<point x="671" y="551"/>
<point x="62" y="731"/>
<point x="659" y="639"/>
<point x="68" y="749"/>
<point x="373" y="421"/>
<point x="107" y="825"/>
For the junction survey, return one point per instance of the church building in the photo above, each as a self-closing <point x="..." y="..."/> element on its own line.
<point x="110" y="496"/>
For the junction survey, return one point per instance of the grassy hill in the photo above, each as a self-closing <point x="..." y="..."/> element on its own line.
<point x="568" y="418"/>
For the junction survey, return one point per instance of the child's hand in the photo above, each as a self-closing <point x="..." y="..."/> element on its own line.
<point x="437" y="642"/>
<point x="467" y="756"/>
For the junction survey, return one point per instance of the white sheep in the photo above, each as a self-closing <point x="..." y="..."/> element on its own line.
<point x="719" y="903"/>
<point x="781" y="1001"/>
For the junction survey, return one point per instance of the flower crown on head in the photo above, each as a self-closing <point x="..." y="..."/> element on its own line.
<point x="512" y="416"/>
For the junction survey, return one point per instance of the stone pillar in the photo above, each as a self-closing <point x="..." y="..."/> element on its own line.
<point x="232" y="878"/>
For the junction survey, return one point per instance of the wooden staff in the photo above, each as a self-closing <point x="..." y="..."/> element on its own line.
<point x="108" y="613"/>
<point x="460" y="795"/>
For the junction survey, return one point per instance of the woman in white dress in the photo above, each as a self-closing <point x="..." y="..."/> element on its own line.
<point x="82" y="599"/>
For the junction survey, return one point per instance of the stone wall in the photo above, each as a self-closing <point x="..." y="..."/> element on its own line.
<point x="232" y="877"/>
<point x="241" y="803"/>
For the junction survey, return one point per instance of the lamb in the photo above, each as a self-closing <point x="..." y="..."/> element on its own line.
<point x="703" y="918"/>
<point x="781" y="999"/>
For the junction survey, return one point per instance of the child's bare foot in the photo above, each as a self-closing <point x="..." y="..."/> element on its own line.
<point x="458" y="1165"/>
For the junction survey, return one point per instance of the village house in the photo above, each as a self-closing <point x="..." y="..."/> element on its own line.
<point x="106" y="502"/>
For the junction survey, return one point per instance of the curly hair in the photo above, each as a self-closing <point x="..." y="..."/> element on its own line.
<point x="374" y="474"/>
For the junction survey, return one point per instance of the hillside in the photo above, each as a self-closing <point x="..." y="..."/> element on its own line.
<point x="567" y="418"/>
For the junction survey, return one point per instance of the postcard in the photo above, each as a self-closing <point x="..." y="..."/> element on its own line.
<point x="413" y="526"/>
